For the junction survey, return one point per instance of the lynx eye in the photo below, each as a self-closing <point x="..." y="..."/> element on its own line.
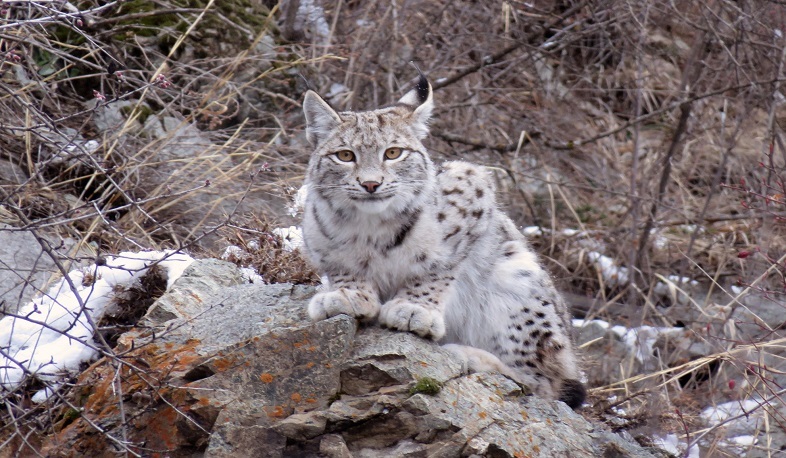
<point x="393" y="153"/>
<point x="345" y="155"/>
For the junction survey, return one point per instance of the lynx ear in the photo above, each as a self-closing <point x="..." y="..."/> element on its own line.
<point x="320" y="118"/>
<point x="420" y="98"/>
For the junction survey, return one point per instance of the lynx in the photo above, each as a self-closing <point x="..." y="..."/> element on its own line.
<point x="425" y="249"/>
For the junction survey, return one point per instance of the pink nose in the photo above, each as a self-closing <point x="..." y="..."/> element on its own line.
<point x="370" y="186"/>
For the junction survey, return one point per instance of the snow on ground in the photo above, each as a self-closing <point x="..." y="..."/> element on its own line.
<point x="673" y="445"/>
<point x="579" y="323"/>
<point x="639" y="341"/>
<point x="643" y="338"/>
<point x="616" y="275"/>
<point x="612" y="274"/>
<point x="584" y="239"/>
<point x="739" y="419"/>
<point x="298" y="202"/>
<point x="292" y="237"/>
<point x="53" y="333"/>
<point x="722" y="412"/>
<point x="251" y="276"/>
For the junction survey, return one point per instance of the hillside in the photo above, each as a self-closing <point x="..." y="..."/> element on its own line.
<point x="639" y="145"/>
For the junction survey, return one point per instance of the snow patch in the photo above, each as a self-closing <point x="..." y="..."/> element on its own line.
<point x="532" y="230"/>
<point x="642" y="339"/>
<point x="250" y="275"/>
<point x="616" y="275"/>
<point x="639" y="341"/>
<point x="298" y="202"/>
<point x="292" y="237"/>
<point x="612" y="274"/>
<point x="53" y="333"/>
<point x="579" y="323"/>
<point x="727" y="410"/>
<point x="673" y="445"/>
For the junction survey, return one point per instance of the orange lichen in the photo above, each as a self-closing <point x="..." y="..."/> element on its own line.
<point x="223" y="364"/>
<point x="267" y="378"/>
<point x="483" y="415"/>
<point x="296" y="397"/>
<point x="275" y="411"/>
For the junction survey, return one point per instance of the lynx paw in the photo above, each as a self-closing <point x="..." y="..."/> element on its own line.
<point x="406" y="316"/>
<point x="354" y="303"/>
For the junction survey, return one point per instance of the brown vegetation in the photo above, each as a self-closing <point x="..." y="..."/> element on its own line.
<point x="647" y="131"/>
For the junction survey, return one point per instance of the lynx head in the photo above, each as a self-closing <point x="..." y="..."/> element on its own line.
<point x="371" y="160"/>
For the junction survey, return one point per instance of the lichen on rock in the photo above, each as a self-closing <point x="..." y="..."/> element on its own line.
<point x="221" y="368"/>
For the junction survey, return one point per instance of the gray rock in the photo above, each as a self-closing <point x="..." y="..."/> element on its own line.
<point x="24" y="267"/>
<point x="113" y="117"/>
<point x="605" y="355"/>
<point x="333" y="446"/>
<point x="11" y="174"/>
<point x="247" y="374"/>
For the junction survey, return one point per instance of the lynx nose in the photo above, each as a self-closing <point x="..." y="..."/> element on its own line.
<point x="370" y="186"/>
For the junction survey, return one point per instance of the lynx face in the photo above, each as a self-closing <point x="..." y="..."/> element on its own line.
<point x="373" y="161"/>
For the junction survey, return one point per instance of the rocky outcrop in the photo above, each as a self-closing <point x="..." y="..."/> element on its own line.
<point x="220" y="367"/>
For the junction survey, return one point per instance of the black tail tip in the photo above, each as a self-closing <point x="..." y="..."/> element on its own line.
<point x="573" y="393"/>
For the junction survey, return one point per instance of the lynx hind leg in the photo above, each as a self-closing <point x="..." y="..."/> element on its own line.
<point x="538" y="327"/>
<point x="349" y="298"/>
<point x="477" y="360"/>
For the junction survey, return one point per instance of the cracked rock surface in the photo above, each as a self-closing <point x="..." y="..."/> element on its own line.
<point x="230" y="369"/>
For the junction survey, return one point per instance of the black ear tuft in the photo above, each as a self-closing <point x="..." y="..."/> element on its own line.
<point x="573" y="393"/>
<point x="423" y="89"/>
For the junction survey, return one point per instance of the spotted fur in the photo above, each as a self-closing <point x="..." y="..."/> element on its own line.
<point x="425" y="249"/>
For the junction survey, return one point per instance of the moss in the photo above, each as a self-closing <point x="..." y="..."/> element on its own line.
<point x="167" y="27"/>
<point x="70" y="415"/>
<point x="426" y="385"/>
<point x="142" y="112"/>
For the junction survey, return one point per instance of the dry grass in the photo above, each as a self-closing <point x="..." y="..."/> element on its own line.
<point x="652" y="131"/>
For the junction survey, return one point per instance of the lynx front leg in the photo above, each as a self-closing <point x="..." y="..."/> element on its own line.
<point x="348" y="296"/>
<point x="419" y="307"/>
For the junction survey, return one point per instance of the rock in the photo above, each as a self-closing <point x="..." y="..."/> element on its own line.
<point x="226" y="369"/>
<point x="113" y="117"/>
<point x="25" y="269"/>
<point x="11" y="174"/>
<point x="605" y="355"/>
<point x="333" y="446"/>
